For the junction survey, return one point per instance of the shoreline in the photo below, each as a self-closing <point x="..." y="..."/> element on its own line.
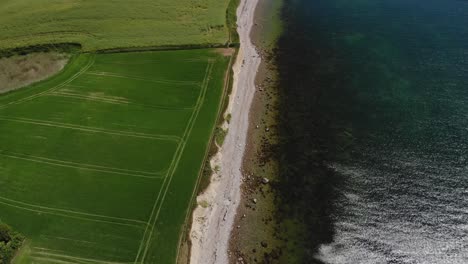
<point x="256" y="238"/>
<point x="213" y="218"/>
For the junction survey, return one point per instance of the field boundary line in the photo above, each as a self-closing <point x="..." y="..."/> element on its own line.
<point x="63" y="212"/>
<point x="91" y="129"/>
<point x="174" y="165"/>
<point x="162" y="81"/>
<point x="69" y="80"/>
<point x="63" y="164"/>
<point x="113" y="101"/>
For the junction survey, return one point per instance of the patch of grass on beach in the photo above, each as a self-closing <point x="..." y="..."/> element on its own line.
<point x="220" y="135"/>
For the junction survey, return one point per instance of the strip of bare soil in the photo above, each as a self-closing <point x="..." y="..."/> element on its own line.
<point x="22" y="70"/>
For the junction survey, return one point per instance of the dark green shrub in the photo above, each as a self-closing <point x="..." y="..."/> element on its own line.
<point x="10" y="242"/>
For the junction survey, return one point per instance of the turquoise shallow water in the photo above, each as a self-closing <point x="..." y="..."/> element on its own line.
<point x="391" y="79"/>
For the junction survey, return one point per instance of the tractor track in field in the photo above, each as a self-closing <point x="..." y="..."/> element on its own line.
<point x="90" y="129"/>
<point x="102" y="99"/>
<point x="155" y="212"/>
<point x="72" y="213"/>
<point x="115" y="75"/>
<point x="84" y="166"/>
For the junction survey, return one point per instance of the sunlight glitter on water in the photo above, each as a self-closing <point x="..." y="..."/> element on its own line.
<point x="388" y="220"/>
<point x="393" y="75"/>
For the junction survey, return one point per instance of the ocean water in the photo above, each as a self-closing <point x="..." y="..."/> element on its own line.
<point x="391" y="78"/>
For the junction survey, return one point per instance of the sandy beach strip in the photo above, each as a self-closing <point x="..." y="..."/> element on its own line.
<point x="213" y="222"/>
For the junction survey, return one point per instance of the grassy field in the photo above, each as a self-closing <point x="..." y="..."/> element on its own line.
<point x="101" y="24"/>
<point x="98" y="164"/>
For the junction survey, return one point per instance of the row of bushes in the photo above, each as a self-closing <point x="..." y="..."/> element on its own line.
<point x="74" y="47"/>
<point x="62" y="47"/>
<point x="163" y="48"/>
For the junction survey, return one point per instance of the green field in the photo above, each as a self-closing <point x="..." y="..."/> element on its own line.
<point x="100" y="24"/>
<point x="99" y="164"/>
